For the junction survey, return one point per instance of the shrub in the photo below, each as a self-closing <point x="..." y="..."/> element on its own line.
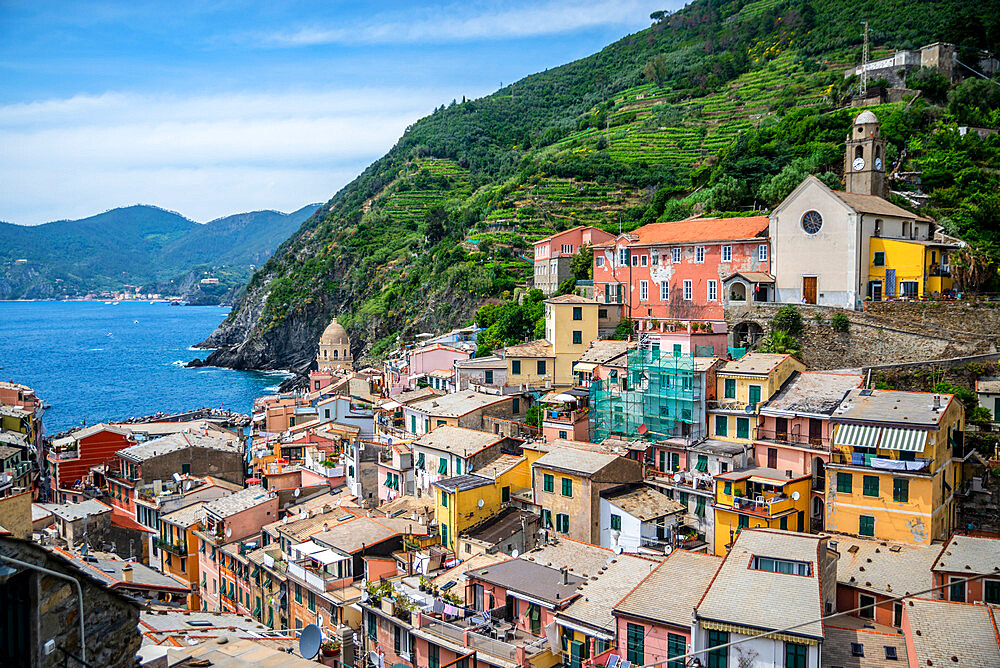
<point x="624" y="330"/>
<point x="787" y="319"/>
<point x="780" y="342"/>
<point x="533" y="416"/>
<point x="840" y="323"/>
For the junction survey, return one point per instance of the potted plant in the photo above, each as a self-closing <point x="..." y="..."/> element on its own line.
<point x="330" y="647"/>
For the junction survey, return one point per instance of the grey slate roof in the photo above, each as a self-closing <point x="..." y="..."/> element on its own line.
<point x="837" y="648"/>
<point x="969" y="554"/>
<point x="988" y="385"/>
<point x="531" y="579"/>
<point x="645" y="503"/>
<point x="811" y="393"/>
<point x="8" y="451"/>
<point x="175" y="442"/>
<point x="457" y="404"/>
<point x="958" y="630"/>
<point x="353" y="535"/>
<point x="600" y="592"/>
<point x="583" y="462"/>
<point x="239" y="501"/>
<point x="913" y="409"/>
<point x="602" y="351"/>
<point x="110" y="571"/>
<point x="712" y="447"/>
<point x="752" y="364"/>
<point x="461" y="483"/>
<point x="670" y="593"/>
<point x="76" y="511"/>
<point x="893" y="569"/>
<point x="761" y="599"/>
<point x="187" y="516"/>
<point x="80" y="434"/>
<point x="457" y="440"/>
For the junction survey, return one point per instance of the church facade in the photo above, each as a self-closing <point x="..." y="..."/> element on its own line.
<point x="838" y="248"/>
<point x="334" y="349"/>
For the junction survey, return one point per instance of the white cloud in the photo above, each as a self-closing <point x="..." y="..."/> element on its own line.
<point x="456" y="23"/>
<point x="204" y="156"/>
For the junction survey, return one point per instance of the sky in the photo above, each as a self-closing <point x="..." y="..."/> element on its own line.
<point x="217" y="107"/>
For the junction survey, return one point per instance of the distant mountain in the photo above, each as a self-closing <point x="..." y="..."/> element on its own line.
<point x="140" y="246"/>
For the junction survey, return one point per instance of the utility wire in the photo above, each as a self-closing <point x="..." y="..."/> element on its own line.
<point x="821" y="619"/>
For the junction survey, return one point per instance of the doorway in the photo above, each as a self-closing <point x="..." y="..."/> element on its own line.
<point x="875" y="290"/>
<point x="809" y="289"/>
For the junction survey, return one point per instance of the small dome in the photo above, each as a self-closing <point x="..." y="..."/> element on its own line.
<point x="865" y="116"/>
<point x="334" y="334"/>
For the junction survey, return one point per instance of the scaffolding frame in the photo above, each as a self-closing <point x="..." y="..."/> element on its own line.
<point x="656" y="398"/>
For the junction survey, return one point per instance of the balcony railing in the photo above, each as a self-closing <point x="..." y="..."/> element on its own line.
<point x="178" y="548"/>
<point x="793" y="437"/>
<point x="703" y="482"/>
<point x="319" y="580"/>
<point x="732" y="405"/>
<point x="763" y="505"/>
<point x="64" y="454"/>
<point x="880" y="463"/>
<point x="566" y="417"/>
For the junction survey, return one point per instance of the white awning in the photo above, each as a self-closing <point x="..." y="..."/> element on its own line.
<point x="857" y="435"/>
<point x="585" y="367"/>
<point x="308" y="547"/>
<point x="327" y="557"/>
<point x="390" y="405"/>
<point x="905" y="440"/>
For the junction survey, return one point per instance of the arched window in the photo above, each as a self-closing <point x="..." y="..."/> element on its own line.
<point x="737" y="292"/>
<point x="859" y="151"/>
<point x="334" y="353"/>
<point x="878" y="151"/>
<point x="324" y="353"/>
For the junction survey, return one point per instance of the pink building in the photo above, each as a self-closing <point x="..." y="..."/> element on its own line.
<point x="675" y="271"/>
<point x="395" y="472"/>
<point x="229" y="519"/>
<point x="654" y="619"/>
<point x="794" y="432"/>
<point x="552" y="255"/>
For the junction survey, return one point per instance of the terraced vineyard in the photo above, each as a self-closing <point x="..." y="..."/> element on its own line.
<point x="422" y="184"/>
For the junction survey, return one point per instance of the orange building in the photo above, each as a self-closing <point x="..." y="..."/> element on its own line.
<point x="178" y="547"/>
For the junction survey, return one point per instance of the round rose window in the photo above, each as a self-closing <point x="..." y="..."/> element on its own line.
<point x="812" y="222"/>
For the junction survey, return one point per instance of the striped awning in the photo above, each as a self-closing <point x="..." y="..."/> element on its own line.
<point x="750" y="631"/>
<point x="584" y="367"/>
<point x="856" y="435"/>
<point x="904" y="440"/>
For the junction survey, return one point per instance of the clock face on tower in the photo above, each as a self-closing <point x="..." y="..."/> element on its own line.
<point x="858" y="164"/>
<point x="878" y="164"/>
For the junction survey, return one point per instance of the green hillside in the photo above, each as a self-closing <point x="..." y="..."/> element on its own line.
<point x="137" y="245"/>
<point x="720" y="106"/>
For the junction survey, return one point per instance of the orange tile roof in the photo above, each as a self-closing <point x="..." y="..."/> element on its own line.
<point x="701" y="230"/>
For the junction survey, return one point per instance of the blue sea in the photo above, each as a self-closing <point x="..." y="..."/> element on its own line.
<point x="95" y="362"/>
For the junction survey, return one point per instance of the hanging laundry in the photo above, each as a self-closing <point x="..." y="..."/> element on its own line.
<point x="438" y="606"/>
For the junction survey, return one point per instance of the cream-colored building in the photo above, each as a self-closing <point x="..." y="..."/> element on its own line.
<point x="821" y="238"/>
<point x="334" y="348"/>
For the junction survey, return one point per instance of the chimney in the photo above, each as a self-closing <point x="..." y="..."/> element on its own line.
<point x="127" y="573"/>
<point x="565" y="574"/>
<point x="937" y="401"/>
<point x="788" y="473"/>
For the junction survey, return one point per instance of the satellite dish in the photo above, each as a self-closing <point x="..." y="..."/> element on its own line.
<point x="229" y="532"/>
<point x="297" y="492"/>
<point x="515" y="554"/>
<point x="678" y="477"/>
<point x="667" y="550"/>
<point x="177" y="477"/>
<point x="309" y="641"/>
<point x="618" y="549"/>
<point x="795" y="496"/>
<point x="480" y="503"/>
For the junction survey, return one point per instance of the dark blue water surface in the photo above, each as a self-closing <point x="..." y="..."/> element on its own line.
<point x="93" y="361"/>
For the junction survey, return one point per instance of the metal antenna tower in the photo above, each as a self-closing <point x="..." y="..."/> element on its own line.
<point x="864" y="62"/>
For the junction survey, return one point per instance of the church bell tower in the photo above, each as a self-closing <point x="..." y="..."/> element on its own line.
<point x="864" y="159"/>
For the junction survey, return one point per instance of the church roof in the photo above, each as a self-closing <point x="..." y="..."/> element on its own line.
<point x="875" y="205"/>
<point x="865" y="116"/>
<point x="334" y="334"/>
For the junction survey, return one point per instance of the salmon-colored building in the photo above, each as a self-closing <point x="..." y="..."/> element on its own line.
<point x="553" y="254"/>
<point x="676" y="270"/>
<point x="71" y="457"/>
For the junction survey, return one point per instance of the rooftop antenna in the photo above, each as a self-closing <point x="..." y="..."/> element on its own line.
<point x="864" y="62"/>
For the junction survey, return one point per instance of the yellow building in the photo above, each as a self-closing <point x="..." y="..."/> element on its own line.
<point x="893" y="470"/>
<point x="904" y="268"/>
<point x="759" y="497"/>
<point x="741" y="386"/>
<point x="178" y="547"/>
<point x="463" y="501"/>
<point x="571" y="323"/>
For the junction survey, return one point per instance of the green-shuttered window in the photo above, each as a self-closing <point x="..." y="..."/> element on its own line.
<point x="869" y="485"/>
<point x="722" y="425"/>
<point x="676" y="646"/>
<point x="718" y="658"/>
<point x="795" y="655"/>
<point x="635" y="643"/>
<point x="548" y="482"/>
<point x="900" y="490"/>
<point x="616" y="522"/>
<point x="742" y="427"/>
<point x="845" y="482"/>
<point x="866" y="525"/>
<point x="730" y="388"/>
<point x="567" y="487"/>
